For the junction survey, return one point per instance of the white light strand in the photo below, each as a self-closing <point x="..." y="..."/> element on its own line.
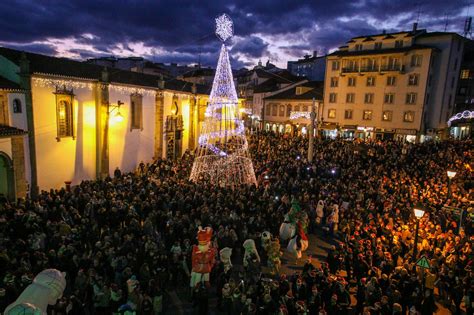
<point x="298" y="115"/>
<point x="222" y="157"/>
<point x="131" y="90"/>
<point x="464" y="115"/>
<point x="60" y="83"/>
<point x="224" y="27"/>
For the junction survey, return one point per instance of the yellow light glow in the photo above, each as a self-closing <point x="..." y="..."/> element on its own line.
<point x="451" y="174"/>
<point x="62" y="113"/>
<point x="419" y="213"/>
<point x="117" y="118"/>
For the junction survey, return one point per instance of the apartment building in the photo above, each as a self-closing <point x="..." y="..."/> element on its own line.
<point x="390" y="85"/>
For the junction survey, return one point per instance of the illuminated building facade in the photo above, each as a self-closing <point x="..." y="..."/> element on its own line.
<point x="398" y="85"/>
<point x="83" y="121"/>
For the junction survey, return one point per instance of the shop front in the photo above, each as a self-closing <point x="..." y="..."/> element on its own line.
<point x="329" y="130"/>
<point x="408" y="135"/>
<point x="365" y="132"/>
<point x="384" y="134"/>
<point x="348" y="131"/>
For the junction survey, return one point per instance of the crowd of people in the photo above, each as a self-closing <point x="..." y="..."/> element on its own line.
<point x="125" y="242"/>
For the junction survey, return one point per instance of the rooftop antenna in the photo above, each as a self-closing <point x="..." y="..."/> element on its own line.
<point x="468" y="27"/>
<point x="418" y="11"/>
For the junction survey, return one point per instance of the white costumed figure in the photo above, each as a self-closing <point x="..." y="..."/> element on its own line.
<point x="46" y="289"/>
<point x="250" y="250"/>
<point x="225" y="255"/>
<point x="287" y="229"/>
<point x="295" y="223"/>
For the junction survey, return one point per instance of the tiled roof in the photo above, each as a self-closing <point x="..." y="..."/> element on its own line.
<point x="8" y="131"/>
<point x="42" y="64"/>
<point x="390" y="34"/>
<point x="6" y="84"/>
<point x="290" y="94"/>
<point x="379" y="51"/>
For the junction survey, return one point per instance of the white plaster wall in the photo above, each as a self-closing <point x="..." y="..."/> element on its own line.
<point x="69" y="159"/>
<point x="19" y="120"/>
<point x="127" y="148"/>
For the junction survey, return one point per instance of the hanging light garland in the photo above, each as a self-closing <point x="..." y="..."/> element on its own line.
<point x="57" y="82"/>
<point x="464" y="115"/>
<point x="123" y="89"/>
<point x="298" y="115"/>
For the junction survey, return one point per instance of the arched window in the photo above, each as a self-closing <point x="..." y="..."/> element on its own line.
<point x="274" y="109"/>
<point x="64" y="113"/>
<point x="16" y="106"/>
<point x="268" y="110"/>
<point x="282" y="111"/>
<point x="288" y="110"/>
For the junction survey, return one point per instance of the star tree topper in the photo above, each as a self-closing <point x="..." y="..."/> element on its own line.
<point x="224" y="27"/>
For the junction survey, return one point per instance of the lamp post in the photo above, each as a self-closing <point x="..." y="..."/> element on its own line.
<point x="451" y="175"/>
<point x="419" y="212"/>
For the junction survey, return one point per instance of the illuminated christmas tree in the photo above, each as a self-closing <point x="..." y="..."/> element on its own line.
<point x="222" y="157"/>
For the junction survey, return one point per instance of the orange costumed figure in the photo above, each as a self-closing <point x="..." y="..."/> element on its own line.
<point x="203" y="258"/>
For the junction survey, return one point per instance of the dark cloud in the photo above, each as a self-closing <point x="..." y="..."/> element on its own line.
<point x="184" y="28"/>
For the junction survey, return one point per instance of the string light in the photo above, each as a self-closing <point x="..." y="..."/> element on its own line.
<point x="67" y="83"/>
<point x="131" y="90"/>
<point x="222" y="156"/>
<point x="298" y="115"/>
<point x="464" y="115"/>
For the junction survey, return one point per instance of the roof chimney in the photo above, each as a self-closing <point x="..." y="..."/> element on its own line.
<point x="315" y="53"/>
<point x="415" y="25"/>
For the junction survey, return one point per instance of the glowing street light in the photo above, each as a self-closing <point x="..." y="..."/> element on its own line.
<point x="419" y="213"/>
<point x="451" y="174"/>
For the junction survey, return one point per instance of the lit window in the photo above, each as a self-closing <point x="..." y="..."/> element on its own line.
<point x="274" y="109"/>
<point x="391" y="80"/>
<point x="332" y="113"/>
<point x="282" y="110"/>
<point x="370" y="81"/>
<point x="465" y="74"/>
<point x="348" y="114"/>
<point x="369" y="98"/>
<point x="64" y="113"/>
<point x="387" y="115"/>
<point x="411" y="98"/>
<point x="350" y="97"/>
<point x="409" y="116"/>
<point x="332" y="97"/>
<point x="367" y="115"/>
<point x="351" y="81"/>
<point x="388" y="98"/>
<point x="16" y="106"/>
<point x="136" y="103"/>
<point x="334" y="81"/>
<point x="413" y="79"/>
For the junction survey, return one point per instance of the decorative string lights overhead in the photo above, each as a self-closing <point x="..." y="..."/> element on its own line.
<point x="467" y="114"/>
<point x="57" y="82"/>
<point x="123" y="89"/>
<point x="222" y="158"/>
<point x="298" y="115"/>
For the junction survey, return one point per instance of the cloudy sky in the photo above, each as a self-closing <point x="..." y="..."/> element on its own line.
<point x="182" y="30"/>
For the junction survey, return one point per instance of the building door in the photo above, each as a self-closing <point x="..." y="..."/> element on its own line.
<point x="6" y="178"/>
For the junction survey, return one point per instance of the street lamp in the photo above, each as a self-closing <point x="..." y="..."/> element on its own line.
<point x="451" y="175"/>
<point x="419" y="212"/>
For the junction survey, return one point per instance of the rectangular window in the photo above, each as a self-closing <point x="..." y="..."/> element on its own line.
<point x="413" y="79"/>
<point x="389" y="98"/>
<point x="387" y="115"/>
<point x="288" y="110"/>
<point x="274" y="110"/>
<point x="411" y="98"/>
<point x="391" y="80"/>
<point x="393" y="63"/>
<point x="367" y="115"/>
<point x="282" y="110"/>
<point x="332" y="113"/>
<point x="369" y="98"/>
<point x="268" y="109"/>
<point x="378" y="46"/>
<point x="399" y="43"/>
<point x="335" y="65"/>
<point x="416" y="60"/>
<point x="348" y="114"/>
<point x="64" y="113"/>
<point x="372" y="64"/>
<point x="409" y="116"/>
<point x="17" y="106"/>
<point x="453" y="79"/>
<point x="352" y="65"/>
<point x="455" y="64"/>
<point x="332" y="97"/>
<point x="136" y="104"/>
<point x="358" y="47"/>
<point x="334" y="81"/>
<point x="350" y="97"/>
<point x="370" y="81"/>
<point x="465" y="74"/>
<point x="351" y="81"/>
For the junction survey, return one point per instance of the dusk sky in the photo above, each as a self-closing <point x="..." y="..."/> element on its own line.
<point x="177" y="30"/>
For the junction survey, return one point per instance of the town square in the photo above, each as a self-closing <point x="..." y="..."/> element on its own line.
<point x="240" y="157"/>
